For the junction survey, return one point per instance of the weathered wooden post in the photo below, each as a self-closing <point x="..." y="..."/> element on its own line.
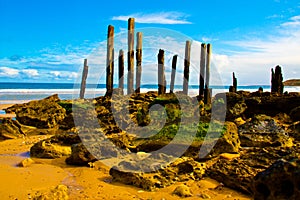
<point x="109" y="60"/>
<point x="130" y="56"/>
<point x="83" y="80"/>
<point x="174" y="63"/>
<point x="161" y="72"/>
<point x="121" y="71"/>
<point x="138" y="62"/>
<point x="186" y="67"/>
<point x="207" y="91"/>
<point x="233" y="88"/>
<point x="202" y="70"/>
<point x="277" y="80"/>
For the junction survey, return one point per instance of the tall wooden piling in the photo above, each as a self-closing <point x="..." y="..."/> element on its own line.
<point x="110" y="59"/>
<point x="138" y="62"/>
<point x="277" y="80"/>
<point x="202" y="70"/>
<point x="173" y="73"/>
<point x="161" y="72"/>
<point x="207" y="92"/>
<point x="187" y="67"/>
<point x="130" y="55"/>
<point x="121" y="71"/>
<point x="83" y="80"/>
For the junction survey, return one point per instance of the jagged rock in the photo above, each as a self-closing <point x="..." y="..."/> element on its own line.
<point x="182" y="191"/>
<point x="277" y="80"/>
<point x="239" y="173"/>
<point x="10" y="129"/>
<point x="294" y="131"/>
<point x="80" y="156"/>
<point x="279" y="181"/>
<point x="54" y="147"/>
<point x="180" y="170"/>
<point x="263" y="131"/>
<point x="45" y="113"/>
<point x="295" y="114"/>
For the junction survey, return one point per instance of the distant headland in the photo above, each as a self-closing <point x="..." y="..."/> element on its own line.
<point x="292" y="82"/>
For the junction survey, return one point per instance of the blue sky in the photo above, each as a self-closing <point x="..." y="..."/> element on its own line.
<point x="46" y="41"/>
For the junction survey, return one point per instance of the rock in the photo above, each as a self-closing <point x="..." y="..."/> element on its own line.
<point x="26" y="162"/>
<point x="279" y="181"/>
<point x="10" y="129"/>
<point x="204" y="196"/>
<point x="294" y="131"/>
<point x="80" y="156"/>
<point x="45" y="113"/>
<point x="239" y="173"/>
<point x="295" y="114"/>
<point x="180" y="170"/>
<point x="236" y="105"/>
<point x="229" y="156"/>
<point x="263" y="131"/>
<point x="239" y="121"/>
<point x="60" y="192"/>
<point x="54" y="147"/>
<point x="228" y="142"/>
<point x="182" y="191"/>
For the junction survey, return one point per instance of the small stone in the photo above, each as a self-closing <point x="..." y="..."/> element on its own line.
<point x="204" y="196"/>
<point x="229" y="156"/>
<point x="182" y="191"/>
<point x="26" y="162"/>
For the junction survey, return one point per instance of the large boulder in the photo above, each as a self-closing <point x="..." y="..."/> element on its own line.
<point x="45" y="113"/>
<point x="279" y="181"/>
<point x="263" y="131"/>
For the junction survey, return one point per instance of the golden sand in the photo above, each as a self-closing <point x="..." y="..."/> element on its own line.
<point x="42" y="176"/>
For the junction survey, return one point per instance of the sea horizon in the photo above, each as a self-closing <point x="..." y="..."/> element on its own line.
<point x="16" y="92"/>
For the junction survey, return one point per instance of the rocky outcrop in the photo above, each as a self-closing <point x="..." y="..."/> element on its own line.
<point x="180" y="170"/>
<point x="239" y="173"/>
<point x="54" y="147"/>
<point x="263" y="131"/>
<point x="45" y="113"/>
<point x="10" y="129"/>
<point x="295" y="113"/>
<point x="279" y="181"/>
<point x="183" y="191"/>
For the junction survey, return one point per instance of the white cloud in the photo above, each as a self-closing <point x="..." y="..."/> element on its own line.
<point x="256" y="56"/>
<point x="156" y="18"/>
<point x="64" y="75"/>
<point x="294" y="21"/>
<point x="30" y="72"/>
<point x="8" y="72"/>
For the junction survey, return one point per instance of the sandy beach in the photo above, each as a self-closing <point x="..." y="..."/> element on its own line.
<point x="82" y="182"/>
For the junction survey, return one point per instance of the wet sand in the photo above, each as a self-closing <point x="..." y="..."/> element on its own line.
<point x="3" y="106"/>
<point x="82" y="182"/>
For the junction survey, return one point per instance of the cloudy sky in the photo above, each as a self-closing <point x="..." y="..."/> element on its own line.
<point x="46" y="41"/>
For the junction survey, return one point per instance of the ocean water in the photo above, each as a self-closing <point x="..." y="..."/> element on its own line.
<point x="24" y="92"/>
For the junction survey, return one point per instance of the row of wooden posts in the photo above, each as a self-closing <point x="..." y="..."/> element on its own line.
<point x="204" y="76"/>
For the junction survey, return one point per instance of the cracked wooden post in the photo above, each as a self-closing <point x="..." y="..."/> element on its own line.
<point x="173" y="74"/>
<point x="277" y="80"/>
<point x="186" y="67"/>
<point x="110" y="60"/>
<point x="138" y="62"/>
<point x="161" y="72"/>
<point x="202" y="70"/>
<point x="130" y="56"/>
<point x="84" y="77"/>
<point x="233" y="88"/>
<point x="207" y="91"/>
<point x="121" y="71"/>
